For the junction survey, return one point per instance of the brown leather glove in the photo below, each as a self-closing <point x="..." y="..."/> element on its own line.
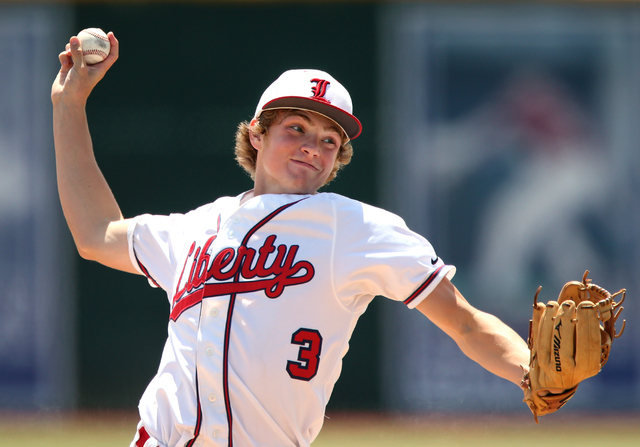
<point x="570" y="340"/>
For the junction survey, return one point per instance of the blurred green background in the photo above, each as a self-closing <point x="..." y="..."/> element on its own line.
<point x="163" y="122"/>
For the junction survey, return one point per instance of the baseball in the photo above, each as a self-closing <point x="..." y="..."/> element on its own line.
<point x="95" y="45"/>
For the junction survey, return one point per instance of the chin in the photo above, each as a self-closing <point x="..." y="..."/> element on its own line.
<point x="304" y="188"/>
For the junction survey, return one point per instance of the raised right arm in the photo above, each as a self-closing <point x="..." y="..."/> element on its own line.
<point x="92" y="213"/>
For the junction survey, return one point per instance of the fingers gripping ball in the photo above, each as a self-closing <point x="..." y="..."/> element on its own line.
<point x="95" y="45"/>
<point x="570" y="340"/>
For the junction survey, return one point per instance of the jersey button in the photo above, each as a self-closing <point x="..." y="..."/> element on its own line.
<point x="216" y="433"/>
<point x="212" y="397"/>
<point x="209" y="351"/>
<point x="236" y="219"/>
<point x="214" y="312"/>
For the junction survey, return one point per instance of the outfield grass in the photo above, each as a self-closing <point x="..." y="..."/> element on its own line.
<point x="480" y="431"/>
<point x="352" y="430"/>
<point x="76" y="430"/>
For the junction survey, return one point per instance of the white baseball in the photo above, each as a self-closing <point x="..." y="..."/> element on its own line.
<point x="95" y="45"/>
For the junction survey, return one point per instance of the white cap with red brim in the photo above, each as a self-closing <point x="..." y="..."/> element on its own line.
<point x="313" y="90"/>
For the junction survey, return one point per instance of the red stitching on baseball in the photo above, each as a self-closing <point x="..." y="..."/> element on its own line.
<point x="98" y="52"/>
<point x="99" y="36"/>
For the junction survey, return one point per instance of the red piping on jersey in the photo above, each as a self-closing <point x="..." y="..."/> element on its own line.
<point x="145" y="271"/>
<point x="423" y="286"/>
<point x="196" y="430"/>
<point x="227" y="332"/>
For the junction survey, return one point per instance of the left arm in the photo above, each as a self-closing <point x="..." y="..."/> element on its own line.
<point x="481" y="336"/>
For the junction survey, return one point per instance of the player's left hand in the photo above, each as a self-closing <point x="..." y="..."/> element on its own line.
<point x="570" y="340"/>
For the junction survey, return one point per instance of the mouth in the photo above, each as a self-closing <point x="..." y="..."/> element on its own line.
<point x="304" y="164"/>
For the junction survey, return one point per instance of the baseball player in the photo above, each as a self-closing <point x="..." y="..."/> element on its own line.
<point x="265" y="288"/>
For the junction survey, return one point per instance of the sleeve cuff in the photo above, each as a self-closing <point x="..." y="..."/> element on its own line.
<point x="443" y="271"/>
<point x="132" y="255"/>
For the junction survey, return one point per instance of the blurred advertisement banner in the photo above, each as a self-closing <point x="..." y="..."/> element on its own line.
<point x="509" y="140"/>
<point x="37" y="360"/>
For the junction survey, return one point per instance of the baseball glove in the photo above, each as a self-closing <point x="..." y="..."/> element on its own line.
<point x="570" y="340"/>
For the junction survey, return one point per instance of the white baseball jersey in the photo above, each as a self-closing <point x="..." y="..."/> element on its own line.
<point x="264" y="296"/>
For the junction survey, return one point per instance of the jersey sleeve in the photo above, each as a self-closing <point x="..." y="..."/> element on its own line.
<point x="155" y="242"/>
<point x="377" y="254"/>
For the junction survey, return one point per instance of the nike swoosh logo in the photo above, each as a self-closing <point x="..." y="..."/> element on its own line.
<point x="434" y="261"/>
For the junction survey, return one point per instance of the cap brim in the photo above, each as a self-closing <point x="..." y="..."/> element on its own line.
<point x="349" y="123"/>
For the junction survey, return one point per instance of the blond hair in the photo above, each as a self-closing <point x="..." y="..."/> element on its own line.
<point x="246" y="154"/>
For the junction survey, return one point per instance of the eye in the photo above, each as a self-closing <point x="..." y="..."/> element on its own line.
<point x="297" y="128"/>
<point x="330" y="141"/>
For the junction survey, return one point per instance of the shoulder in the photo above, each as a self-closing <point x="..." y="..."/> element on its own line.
<point x="338" y="200"/>
<point x="180" y="221"/>
<point x="351" y="209"/>
<point x="215" y="207"/>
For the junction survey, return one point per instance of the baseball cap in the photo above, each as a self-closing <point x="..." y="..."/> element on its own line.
<point x="313" y="90"/>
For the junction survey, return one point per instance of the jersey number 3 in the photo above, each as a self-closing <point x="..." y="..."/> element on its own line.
<point x="310" y="342"/>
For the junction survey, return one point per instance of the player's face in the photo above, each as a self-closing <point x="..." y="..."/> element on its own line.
<point x="297" y="154"/>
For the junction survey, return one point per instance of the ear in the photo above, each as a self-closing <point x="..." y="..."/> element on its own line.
<point x="255" y="137"/>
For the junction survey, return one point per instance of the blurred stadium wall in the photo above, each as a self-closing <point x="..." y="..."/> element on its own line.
<point x="497" y="114"/>
<point x="436" y="89"/>
<point x="37" y="300"/>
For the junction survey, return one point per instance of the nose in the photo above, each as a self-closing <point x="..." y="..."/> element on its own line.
<point x="311" y="146"/>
